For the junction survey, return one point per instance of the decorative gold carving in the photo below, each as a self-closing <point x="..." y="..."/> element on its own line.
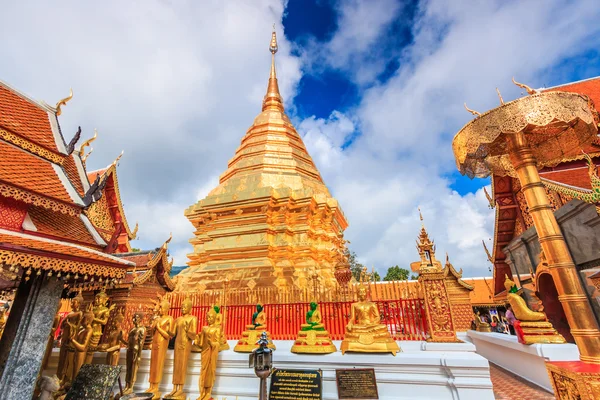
<point x="85" y="144"/>
<point x="32" y="198"/>
<point x="100" y="216"/>
<point x="574" y="380"/>
<point x="63" y="102"/>
<point x="31" y="147"/>
<point x="472" y="111"/>
<point x="523" y="86"/>
<point x="13" y="258"/>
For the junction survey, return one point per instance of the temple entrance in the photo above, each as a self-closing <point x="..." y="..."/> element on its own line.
<point x="547" y="293"/>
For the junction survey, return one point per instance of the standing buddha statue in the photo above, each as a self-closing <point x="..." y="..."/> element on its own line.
<point x="112" y="346"/>
<point x="313" y="338"/>
<point x="185" y="333"/>
<point x="135" y="345"/>
<point x="101" y="314"/>
<point x="162" y="326"/>
<point x="69" y="326"/>
<point x="219" y="321"/>
<point x="532" y="326"/>
<point x="78" y="346"/>
<point x="364" y="332"/>
<point x="209" y="341"/>
<point x="253" y="331"/>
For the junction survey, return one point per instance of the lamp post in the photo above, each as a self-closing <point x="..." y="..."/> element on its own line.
<point x="516" y="139"/>
<point x="262" y="361"/>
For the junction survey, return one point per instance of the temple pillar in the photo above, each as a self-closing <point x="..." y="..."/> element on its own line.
<point x="437" y="307"/>
<point x="38" y="302"/>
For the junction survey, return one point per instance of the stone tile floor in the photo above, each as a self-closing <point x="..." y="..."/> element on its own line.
<point x="508" y="386"/>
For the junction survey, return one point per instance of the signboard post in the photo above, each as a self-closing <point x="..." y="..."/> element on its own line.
<point x="356" y="383"/>
<point x="295" y="384"/>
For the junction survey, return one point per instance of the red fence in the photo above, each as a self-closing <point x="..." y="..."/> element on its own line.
<point x="405" y="318"/>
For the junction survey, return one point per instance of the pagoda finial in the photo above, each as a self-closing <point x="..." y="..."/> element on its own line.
<point x="273" y="99"/>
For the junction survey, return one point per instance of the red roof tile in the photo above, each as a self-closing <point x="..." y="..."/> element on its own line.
<point x="73" y="173"/>
<point x="589" y="87"/>
<point x="60" y="225"/>
<point x="25" y="118"/>
<point x="23" y="169"/>
<point x="140" y="260"/>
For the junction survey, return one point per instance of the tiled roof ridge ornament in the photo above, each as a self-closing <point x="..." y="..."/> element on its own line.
<point x="73" y="142"/>
<point x="63" y="102"/>
<point x="85" y="144"/>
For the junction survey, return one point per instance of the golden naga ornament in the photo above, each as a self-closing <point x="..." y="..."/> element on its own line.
<point x="364" y="332"/>
<point x="162" y="326"/>
<point x="253" y="331"/>
<point x="209" y="342"/>
<point x="313" y="338"/>
<point x="69" y="328"/>
<point x="532" y="326"/>
<point x="185" y="333"/>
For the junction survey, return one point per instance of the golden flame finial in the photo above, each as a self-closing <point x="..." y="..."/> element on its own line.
<point x="82" y="154"/>
<point x="63" y="102"/>
<point x="472" y="111"/>
<point x="118" y="158"/>
<point x="524" y="86"/>
<point x="500" y="96"/>
<point x="273" y="99"/>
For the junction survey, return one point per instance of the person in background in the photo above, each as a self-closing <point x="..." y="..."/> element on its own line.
<point x="510" y="317"/>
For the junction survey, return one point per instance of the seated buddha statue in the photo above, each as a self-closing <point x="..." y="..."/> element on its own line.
<point x="531" y="326"/>
<point x="250" y="336"/>
<point x="313" y="338"/>
<point x="364" y="332"/>
<point x="481" y="325"/>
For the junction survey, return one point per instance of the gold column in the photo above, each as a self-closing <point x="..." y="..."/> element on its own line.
<point x="578" y="311"/>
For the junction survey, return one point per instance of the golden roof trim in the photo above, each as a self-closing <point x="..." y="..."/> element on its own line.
<point x="27" y="260"/>
<point x="112" y="170"/>
<point x="31" y="147"/>
<point x="28" y="197"/>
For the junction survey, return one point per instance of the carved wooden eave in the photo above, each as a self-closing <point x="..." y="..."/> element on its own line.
<point x="449" y="270"/>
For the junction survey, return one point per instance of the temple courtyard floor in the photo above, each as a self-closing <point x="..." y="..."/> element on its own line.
<point x="508" y="386"/>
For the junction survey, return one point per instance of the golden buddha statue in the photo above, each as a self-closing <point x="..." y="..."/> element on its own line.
<point x="209" y="341"/>
<point x="50" y="344"/>
<point x="531" y="326"/>
<point x="253" y="331"/>
<point x="185" y="333"/>
<point x="101" y="314"/>
<point x="135" y="345"/>
<point x="69" y="326"/>
<point x="480" y="324"/>
<point x="219" y="321"/>
<point x="77" y="349"/>
<point x="162" y="326"/>
<point x="313" y="338"/>
<point x="112" y="345"/>
<point x="364" y="332"/>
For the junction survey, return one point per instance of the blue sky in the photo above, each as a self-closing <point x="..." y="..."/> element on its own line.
<point x="376" y="89"/>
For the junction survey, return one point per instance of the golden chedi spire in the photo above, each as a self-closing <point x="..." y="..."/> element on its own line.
<point x="271" y="214"/>
<point x="426" y="249"/>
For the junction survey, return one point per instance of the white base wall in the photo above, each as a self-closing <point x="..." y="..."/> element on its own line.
<point x="526" y="361"/>
<point x="421" y="371"/>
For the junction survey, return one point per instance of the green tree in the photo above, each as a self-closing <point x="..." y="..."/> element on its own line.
<point x="355" y="267"/>
<point x="396" y="273"/>
<point x="375" y="277"/>
<point x="135" y="250"/>
<point x="414" y="277"/>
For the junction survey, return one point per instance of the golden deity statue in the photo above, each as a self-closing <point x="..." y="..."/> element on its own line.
<point x="209" y="341"/>
<point x="532" y="326"/>
<point x="162" y="326"/>
<point x="480" y="324"/>
<point x="253" y="331"/>
<point x="313" y="338"/>
<point x="69" y="326"/>
<point x="78" y="346"/>
<point x="135" y="345"/>
<point x="112" y="345"/>
<point x="185" y="333"/>
<point x="219" y="321"/>
<point x="101" y="314"/>
<point x="364" y="332"/>
<point x="50" y="344"/>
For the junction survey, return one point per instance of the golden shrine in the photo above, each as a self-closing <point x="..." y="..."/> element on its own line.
<point x="271" y="218"/>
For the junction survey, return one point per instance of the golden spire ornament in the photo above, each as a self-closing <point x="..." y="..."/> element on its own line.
<point x="273" y="100"/>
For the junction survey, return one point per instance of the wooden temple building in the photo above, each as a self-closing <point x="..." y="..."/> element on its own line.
<point x="271" y="221"/>
<point x="47" y="241"/>
<point x="572" y="187"/>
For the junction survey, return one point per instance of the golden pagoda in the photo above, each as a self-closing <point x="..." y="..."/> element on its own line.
<point x="271" y="218"/>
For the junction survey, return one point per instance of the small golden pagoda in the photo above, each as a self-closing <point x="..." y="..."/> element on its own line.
<point x="271" y="218"/>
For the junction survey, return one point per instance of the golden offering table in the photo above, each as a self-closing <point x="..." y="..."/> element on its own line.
<point x="422" y="371"/>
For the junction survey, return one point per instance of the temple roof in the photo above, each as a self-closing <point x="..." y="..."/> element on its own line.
<point x="511" y="211"/>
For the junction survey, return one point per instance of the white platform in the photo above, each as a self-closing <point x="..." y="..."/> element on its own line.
<point x="526" y="361"/>
<point x="421" y="371"/>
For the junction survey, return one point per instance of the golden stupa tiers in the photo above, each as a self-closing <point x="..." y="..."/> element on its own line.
<point x="271" y="217"/>
<point x="426" y="248"/>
